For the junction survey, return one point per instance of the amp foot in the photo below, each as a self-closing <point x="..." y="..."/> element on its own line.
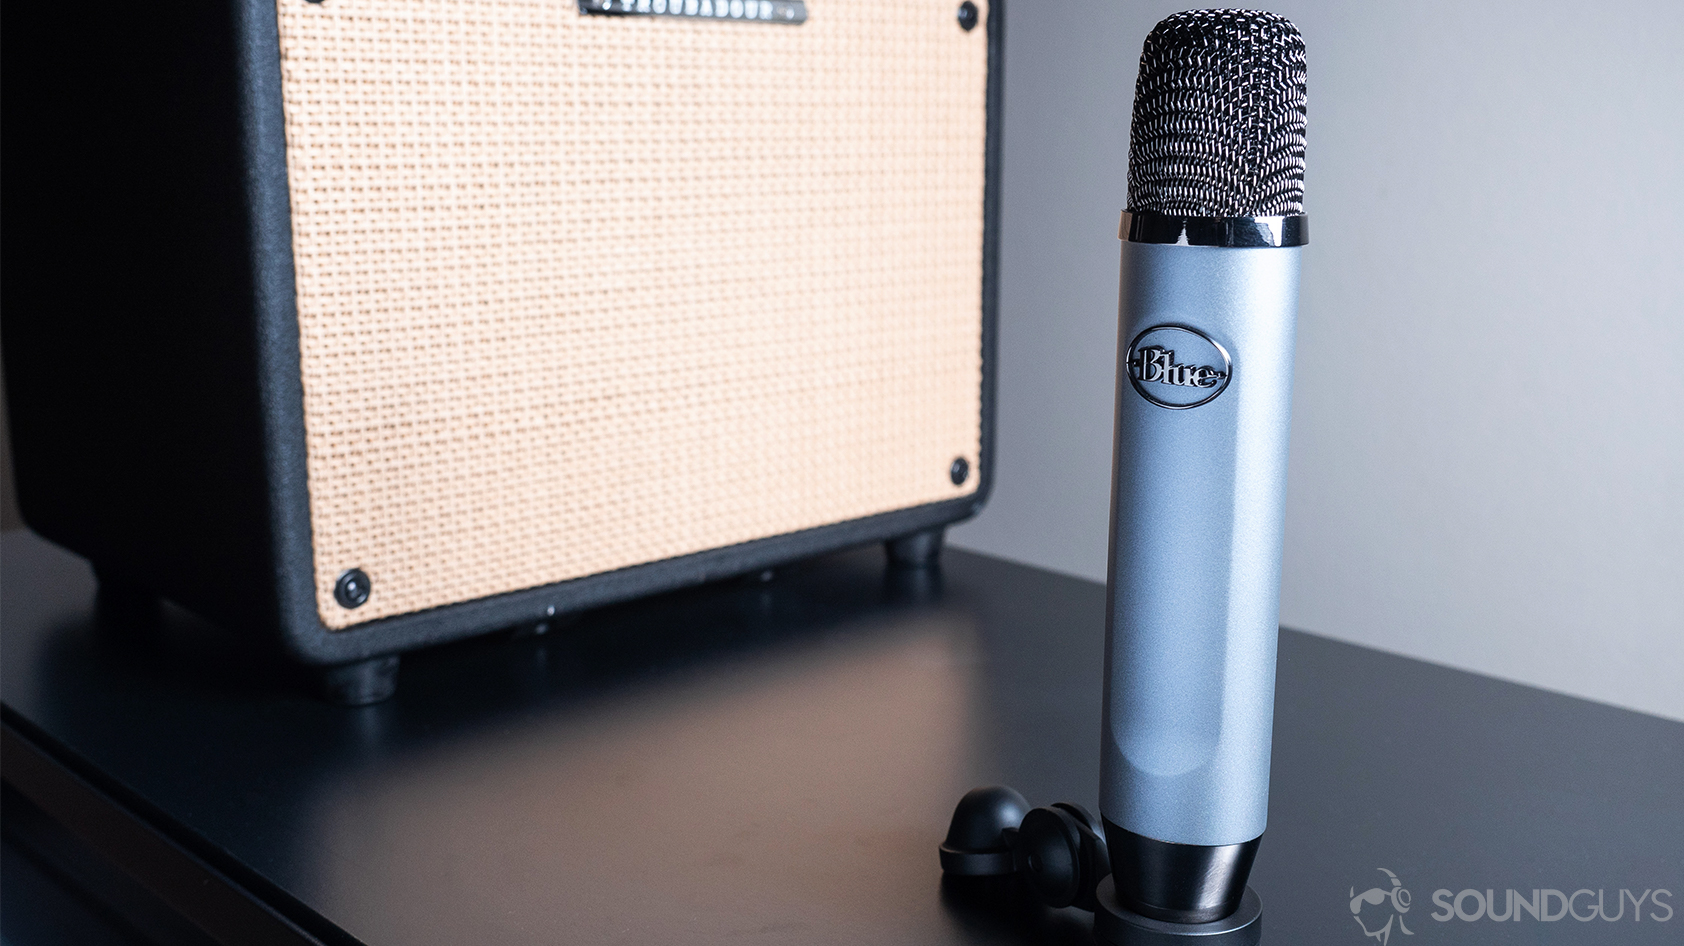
<point x="359" y="684"/>
<point x="918" y="550"/>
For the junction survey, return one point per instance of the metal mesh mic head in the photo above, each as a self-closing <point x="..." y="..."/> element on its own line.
<point x="1219" y="117"/>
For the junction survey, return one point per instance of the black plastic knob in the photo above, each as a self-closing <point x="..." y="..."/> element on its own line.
<point x="1047" y="856"/>
<point x="977" y="844"/>
<point x="1060" y="853"/>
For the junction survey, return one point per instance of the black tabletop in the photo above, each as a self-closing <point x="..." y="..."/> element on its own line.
<point x="776" y="763"/>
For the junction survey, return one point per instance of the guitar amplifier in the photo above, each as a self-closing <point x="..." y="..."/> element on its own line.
<point x="373" y="324"/>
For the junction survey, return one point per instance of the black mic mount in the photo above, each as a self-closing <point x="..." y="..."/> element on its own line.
<point x="1060" y="854"/>
<point x="1058" y="851"/>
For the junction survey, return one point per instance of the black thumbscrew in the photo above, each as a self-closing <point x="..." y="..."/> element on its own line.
<point x="977" y="844"/>
<point x="1060" y="853"/>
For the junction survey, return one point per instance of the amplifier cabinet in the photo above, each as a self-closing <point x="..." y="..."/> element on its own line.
<point x="378" y="323"/>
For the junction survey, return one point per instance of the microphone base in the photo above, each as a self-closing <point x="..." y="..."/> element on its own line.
<point x="1117" y="925"/>
<point x="1178" y="883"/>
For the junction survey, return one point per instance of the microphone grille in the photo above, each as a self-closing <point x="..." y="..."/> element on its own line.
<point x="1219" y="116"/>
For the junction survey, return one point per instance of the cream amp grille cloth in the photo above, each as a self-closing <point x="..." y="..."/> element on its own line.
<point x="581" y="292"/>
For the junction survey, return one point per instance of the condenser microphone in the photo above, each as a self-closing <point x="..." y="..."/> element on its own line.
<point x="1211" y="244"/>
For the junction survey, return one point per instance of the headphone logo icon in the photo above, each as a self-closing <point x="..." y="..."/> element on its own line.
<point x="1375" y="896"/>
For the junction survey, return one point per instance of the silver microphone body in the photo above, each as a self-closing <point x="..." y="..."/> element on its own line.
<point x="1204" y="383"/>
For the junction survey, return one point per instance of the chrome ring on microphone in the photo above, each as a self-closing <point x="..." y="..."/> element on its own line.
<point x="1146" y="227"/>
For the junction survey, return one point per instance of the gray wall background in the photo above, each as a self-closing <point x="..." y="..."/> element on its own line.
<point x="1488" y="416"/>
<point x="1488" y="433"/>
